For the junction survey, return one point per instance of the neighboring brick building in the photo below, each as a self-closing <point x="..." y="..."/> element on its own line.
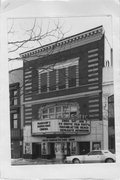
<point x="63" y="94"/>
<point x="16" y="112"/>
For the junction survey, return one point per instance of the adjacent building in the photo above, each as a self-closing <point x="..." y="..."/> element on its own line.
<point x="16" y="112"/>
<point x="64" y="88"/>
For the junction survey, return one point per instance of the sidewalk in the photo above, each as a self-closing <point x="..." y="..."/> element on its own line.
<point x="38" y="161"/>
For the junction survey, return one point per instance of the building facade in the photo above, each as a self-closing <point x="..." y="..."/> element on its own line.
<point x="63" y="96"/>
<point x="16" y="112"/>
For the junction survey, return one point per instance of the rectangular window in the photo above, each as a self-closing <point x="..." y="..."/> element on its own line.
<point x="62" y="78"/>
<point x="72" y="76"/>
<point x="52" y="80"/>
<point x="14" y="97"/>
<point x="44" y="82"/>
<point x="51" y="113"/>
<point x="64" y="75"/>
<point x="58" y="111"/>
<point x="14" y="120"/>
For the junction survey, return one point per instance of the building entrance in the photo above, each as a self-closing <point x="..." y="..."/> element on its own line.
<point x="36" y="150"/>
<point x="83" y="148"/>
<point x="52" y="150"/>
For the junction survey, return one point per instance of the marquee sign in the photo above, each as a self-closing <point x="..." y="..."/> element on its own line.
<point x="61" y="126"/>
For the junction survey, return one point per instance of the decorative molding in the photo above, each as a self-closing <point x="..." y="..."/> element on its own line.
<point x="60" y="98"/>
<point x="66" y="43"/>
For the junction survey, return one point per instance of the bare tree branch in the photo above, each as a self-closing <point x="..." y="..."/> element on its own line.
<point x="36" y="35"/>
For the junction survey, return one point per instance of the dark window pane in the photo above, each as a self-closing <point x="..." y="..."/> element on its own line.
<point x="44" y="82"/>
<point x="72" y="76"/>
<point x="52" y="80"/>
<point x="62" y="79"/>
<point x="14" y="120"/>
<point x="13" y="97"/>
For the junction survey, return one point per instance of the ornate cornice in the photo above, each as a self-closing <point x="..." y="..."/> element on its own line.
<point x="67" y="43"/>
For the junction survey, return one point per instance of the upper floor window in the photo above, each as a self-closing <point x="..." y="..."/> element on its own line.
<point x="59" y="76"/>
<point x="58" y="111"/>
<point x="14" y="95"/>
<point x="14" y="120"/>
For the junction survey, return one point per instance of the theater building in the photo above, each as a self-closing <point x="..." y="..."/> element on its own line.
<point x="63" y="96"/>
<point x="16" y="112"/>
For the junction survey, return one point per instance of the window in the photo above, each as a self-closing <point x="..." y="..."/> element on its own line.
<point x="45" y="113"/>
<point x="58" y="111"/>
<point x="62" y="78"/>
<point x="64" y="75"/>
<point x="52" y="80"/>
<point x="96" y="145"/>
<point x="72" y="76"/>
<point x="51" y="113"/>
<point x="44" y="82"/>
<point x="14" y="120"/>
<point x="14" y="97"/>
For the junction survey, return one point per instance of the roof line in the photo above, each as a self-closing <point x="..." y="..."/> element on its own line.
<point x="63" y="39"/>
<point x="21" y="68"/>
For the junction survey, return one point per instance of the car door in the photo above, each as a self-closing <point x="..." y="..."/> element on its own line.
<point x="93" y="157"/>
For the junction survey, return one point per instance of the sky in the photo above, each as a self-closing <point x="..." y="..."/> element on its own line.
<point x="19" y="29"/>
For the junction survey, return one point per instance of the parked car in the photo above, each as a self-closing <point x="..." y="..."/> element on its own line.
<point x="95" y="156"/>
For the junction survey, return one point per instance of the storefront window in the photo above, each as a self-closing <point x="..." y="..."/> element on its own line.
<point x="96" y="145"/>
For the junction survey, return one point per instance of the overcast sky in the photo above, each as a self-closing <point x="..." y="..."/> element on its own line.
<point x="70" y="26"/>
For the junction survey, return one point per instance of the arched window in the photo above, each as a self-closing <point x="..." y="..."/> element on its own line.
<point x="56" y="111"/>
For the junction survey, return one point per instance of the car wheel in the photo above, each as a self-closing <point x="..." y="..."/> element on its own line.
<point x="109" y="160"/>
<point x="76" y="161"/>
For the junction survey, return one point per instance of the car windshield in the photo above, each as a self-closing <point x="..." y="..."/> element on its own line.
<point x="95" y="153"/>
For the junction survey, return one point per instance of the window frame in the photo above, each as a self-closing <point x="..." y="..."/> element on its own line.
<point x="59" y="66"/>
<point x="57" y="115"/>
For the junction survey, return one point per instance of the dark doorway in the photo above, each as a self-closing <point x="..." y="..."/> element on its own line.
<point x="68" y="148"/>
<point x="83" y="147"/>
<point x="52" y="150"/>
<point x="36" y="150"/>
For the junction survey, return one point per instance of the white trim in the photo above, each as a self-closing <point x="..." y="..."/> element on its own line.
<point x="93" y="79"/>
<point x="93" y="60"/>
<point x="92" y="70"/>
<point x="93" y="115"/>
<point x="60" y="65"/>
<point x="67" y="97"/>
<point x="93" y="105"/>
<point x="28" y="113"/>
<point x="94" y="74"/>
<point x="28" y="76"/>
<point x="93" y="50"/>
<point x="92" y="55"/>
<point x="28" y="117"/>
<point x="92" y="65"/>
<point x="28" y="87"/>
<point x="93" y="100"/>
<point x="28" y="72"/>
<point x="93" y="87"/>
<point x="93" y="110"/>
<point x="28" y="98"/>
